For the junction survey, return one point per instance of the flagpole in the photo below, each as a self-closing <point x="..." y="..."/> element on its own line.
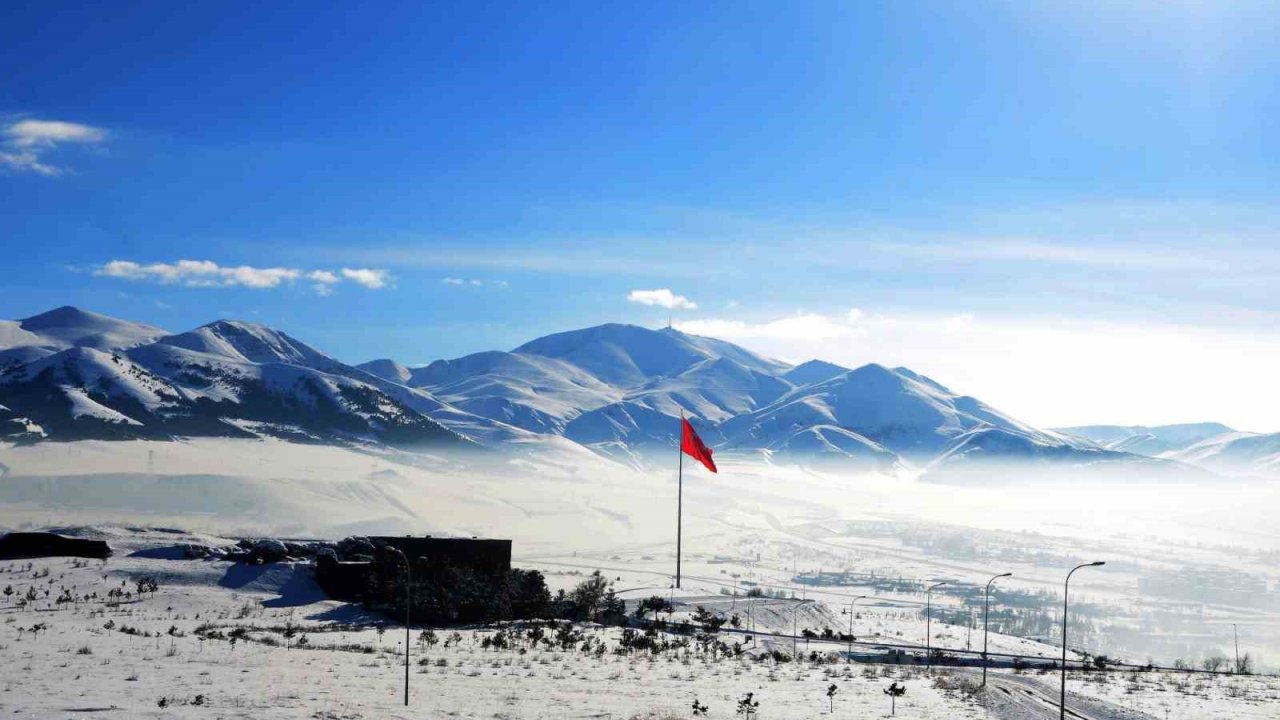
<point x="679" y="496"/>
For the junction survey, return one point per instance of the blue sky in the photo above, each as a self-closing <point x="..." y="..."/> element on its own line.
<point x="1063" y="208"/>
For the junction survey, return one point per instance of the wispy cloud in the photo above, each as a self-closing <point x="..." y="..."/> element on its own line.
<point x="368" y="277"/>
<point x="799" y="327"/>
<point x="207" y="273"/>
<point x="662" y="297"/>
<point x="474" y="282"/>
<point x="26" y="143"/>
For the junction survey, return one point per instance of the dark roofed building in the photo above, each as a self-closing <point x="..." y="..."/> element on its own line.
<point x="349" y="578"/>
<point x="19" y="545"/>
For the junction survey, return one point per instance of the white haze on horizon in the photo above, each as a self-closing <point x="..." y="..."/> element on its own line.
<point x="1050" y="373"/>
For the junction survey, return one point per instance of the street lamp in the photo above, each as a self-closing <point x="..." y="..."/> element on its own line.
<point x="1236" y="631"/>
<point x="1062" y="695"/>
<point x="849" y="658"/>
<point x="795" y="614"/>
<point x="408" y="602"/>
<point x="928" y="624"/>
<point x="986" y="621"/>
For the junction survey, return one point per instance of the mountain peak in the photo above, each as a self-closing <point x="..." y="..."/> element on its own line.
<point x="70" y="326"/>
<point x="60" y="316"/>
<point x="813" y="371"/>
<point x="387" y="369"/>
<point x="630" y="355"/>
<point x="250" y="341"/>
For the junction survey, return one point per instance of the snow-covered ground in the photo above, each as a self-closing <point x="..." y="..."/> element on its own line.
<point x="98" y="660"/>
<point x="1182" y="696"/>
<point x="751" y="525"/>
<point x="168" y="654"/>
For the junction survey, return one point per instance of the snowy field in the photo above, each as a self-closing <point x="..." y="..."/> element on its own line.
<point x="569" y="512"/>
<point x="169" y="653"/>
<point x="144" y="658"/>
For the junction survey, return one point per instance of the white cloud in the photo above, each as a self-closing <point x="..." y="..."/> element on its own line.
<point x="802" y="327"/>
<point x="27" y="141"/>
<point x="458" y="282"/>
<point x="958" y="323"/>
<point x="207" y="273"/>
<point x="662" y="298"/>
<point x="368" y="277"/>
<point x="853" y="316"/>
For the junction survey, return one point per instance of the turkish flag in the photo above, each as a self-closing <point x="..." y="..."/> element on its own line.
<point x="692" y="446"/>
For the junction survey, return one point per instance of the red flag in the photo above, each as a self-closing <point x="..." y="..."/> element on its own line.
<point x="692" y="446"/>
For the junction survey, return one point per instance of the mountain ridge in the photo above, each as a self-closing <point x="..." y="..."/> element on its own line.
<point x="616" y="389"/>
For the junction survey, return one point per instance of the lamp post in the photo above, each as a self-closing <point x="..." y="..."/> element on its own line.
<point x="928" y="624"/>
<point x="795" y="614"/>
<point x="986" y="621"/>
<point x="849" y="656"/>
<point x="408" y="602"/>
<point x="1236" y="631"/>
<point x="1062" y="694"/>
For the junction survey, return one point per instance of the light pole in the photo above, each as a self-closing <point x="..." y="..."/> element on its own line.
<point x="795" y="614"/>
<point x="849" y="657"/>
<point x="968" y="632"/>
<point x="408" y="601"/>
<point x="928" y="624"/>
<point x="986" y="621"/>
<point x="1062" y="694"/>
<point x="1236" y="631"/>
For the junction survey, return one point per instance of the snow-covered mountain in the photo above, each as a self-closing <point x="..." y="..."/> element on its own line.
<point x="22" y="341"/>
<point x="882" y="413"/>
<point x="1148" y="440"/>
<point x="618" y="390"/>
<point x="118" y="380"/>
<point x="1210" y="445"/>
<point x="1234" y="453"/>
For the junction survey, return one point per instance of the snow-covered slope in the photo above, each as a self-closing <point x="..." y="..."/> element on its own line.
<point x="387" y="370"/>
<point x="713" y="391"/>
<point x="630" y="356"/>
<point x="612" y="384"/>
<point x="529" y="391"/>
<point x="813" y="371"/>
<point x="899" y="410"/>
<point x="72" y="327"/>
<point x="225" y="379"/>
<point x="16" y="428"/>
<point x="1235" y="453"/>
<point x="249" y="342"/>
<point x="1210" y="445"/>
<point x="1145" y="440"/>
<point x="39" y="336"/>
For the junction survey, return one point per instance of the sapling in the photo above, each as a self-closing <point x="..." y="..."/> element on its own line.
<point x="831" y="697"/>
<point x="894" y="691"/>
